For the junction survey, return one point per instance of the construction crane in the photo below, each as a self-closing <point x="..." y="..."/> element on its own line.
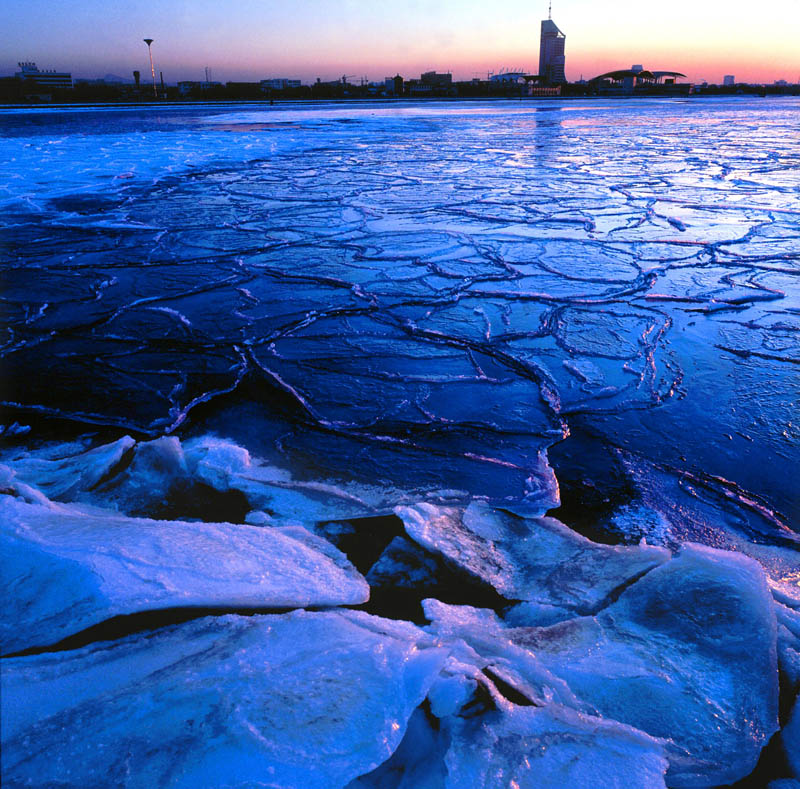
<point x="346" y="77"/>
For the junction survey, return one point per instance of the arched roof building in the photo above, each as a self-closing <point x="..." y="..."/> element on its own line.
<point x="628" y="81"/>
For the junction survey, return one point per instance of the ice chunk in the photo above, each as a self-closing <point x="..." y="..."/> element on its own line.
<point x="64" y="478"/>
<point x="299" y="700"/>
<point x="789" y="645"/>
<point x="418" y="762"/>
<point x="688" y="654"/>
<point x="550" y="748"/>
<point x="155" y="469"/>
<point x="66" y="568"/>
<point x="791" y="740"/>
<point x="225" y="466"/>
<point x="481" y="642"/>
<point x="538" y="560"/>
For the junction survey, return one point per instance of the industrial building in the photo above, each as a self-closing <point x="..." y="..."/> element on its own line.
<point x="44" y="79"/>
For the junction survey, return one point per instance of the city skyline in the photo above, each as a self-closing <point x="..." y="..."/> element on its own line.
<point x="326" y="38"/>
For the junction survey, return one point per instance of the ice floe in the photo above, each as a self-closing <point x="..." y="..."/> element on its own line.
<point x="687" y="654"/>
<point x="538" y="560"/>
<point x="66" y="568"/>
<point x="299" y="700"/>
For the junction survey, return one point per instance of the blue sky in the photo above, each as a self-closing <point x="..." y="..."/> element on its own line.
<point x="254" y="39"/>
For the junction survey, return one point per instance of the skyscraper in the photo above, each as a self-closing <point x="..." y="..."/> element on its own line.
<point x="551" y="53"/>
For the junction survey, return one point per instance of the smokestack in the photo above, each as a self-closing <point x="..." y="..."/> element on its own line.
<point x="163" y="89"/>
<point x="136" y="77"/>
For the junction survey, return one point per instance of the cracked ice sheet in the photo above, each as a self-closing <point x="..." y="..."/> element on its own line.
<point x="301" y="700"/>
<point x="68" y="567"/>
<point x="157" y="294"/>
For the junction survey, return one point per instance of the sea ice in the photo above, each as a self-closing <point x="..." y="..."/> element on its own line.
<point x="532" y="559"/>
<point x="68" y="567"/>
<point x="686" y="654"/>
<point x="790" y="735"/>
<point x="298" y="700"/>
<point x="714" y="512"/>
<point x="550" y="748"/>
<point x="64" y="475"/>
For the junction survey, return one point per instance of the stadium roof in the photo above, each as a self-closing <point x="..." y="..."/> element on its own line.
<point x="623" y="73"/>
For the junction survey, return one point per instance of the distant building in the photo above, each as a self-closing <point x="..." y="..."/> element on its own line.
<point x="434" y="80"/>
<point x="508" y="77"/>
<point x="552" y="61"/>
<point x="627" y="82"/>
<point x="279" y="83"/>
<point x="536" y="87"/>
<point x="394" y="85"/>
<point x="729" y="80"/>
<point x="186" y="88"/>
<point x="44" y="79"/>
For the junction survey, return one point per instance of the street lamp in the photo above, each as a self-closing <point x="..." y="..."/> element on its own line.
<point x="149" y="41"/>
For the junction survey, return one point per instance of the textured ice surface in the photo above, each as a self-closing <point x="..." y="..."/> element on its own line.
<point x="301" y="700"/>
<point x="66" y="568"/>
<point x="789" y="645"/>
<point x="791" y="740"/>
<point x="677" y="507"/>
<point x="533" y="559"/>
<point x="686" y="654"/>
<point x="321" y="313"/>
<point x="436" y="287"/>
<point x="551" y="748"/>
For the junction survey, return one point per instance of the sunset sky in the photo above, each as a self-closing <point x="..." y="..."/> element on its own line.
<point x="306" y="39"/>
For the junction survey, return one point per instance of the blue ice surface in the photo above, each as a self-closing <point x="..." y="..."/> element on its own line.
<point x="347" y="308"/>
<point x="427" y="294"/>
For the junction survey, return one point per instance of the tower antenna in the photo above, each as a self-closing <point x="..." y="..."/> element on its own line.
<point x="550" y="10"/>
<point x="149" y="41"/>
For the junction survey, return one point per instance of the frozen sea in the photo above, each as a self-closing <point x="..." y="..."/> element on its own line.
<point x="323" y="314"/>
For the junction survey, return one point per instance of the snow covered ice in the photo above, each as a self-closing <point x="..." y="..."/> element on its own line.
<point x="532" y="363"/>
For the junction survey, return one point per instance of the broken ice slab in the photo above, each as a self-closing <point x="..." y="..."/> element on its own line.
<point x="65" y="472"/>
<point x="300" y="700"/>
<point x="675" y="507"/>
<point x="791" y="740"/>
<point x="789" y="646"/>
<point x="687" y="654"/>
<point x="526" y="747"/>
<point x="164" y="475"/>
<point x="67" y="568"/>
<point x="537" y="560"/>
<point x="550" y="748"/>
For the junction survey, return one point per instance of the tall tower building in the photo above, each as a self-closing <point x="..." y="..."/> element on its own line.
<point x="551" y="53"/>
